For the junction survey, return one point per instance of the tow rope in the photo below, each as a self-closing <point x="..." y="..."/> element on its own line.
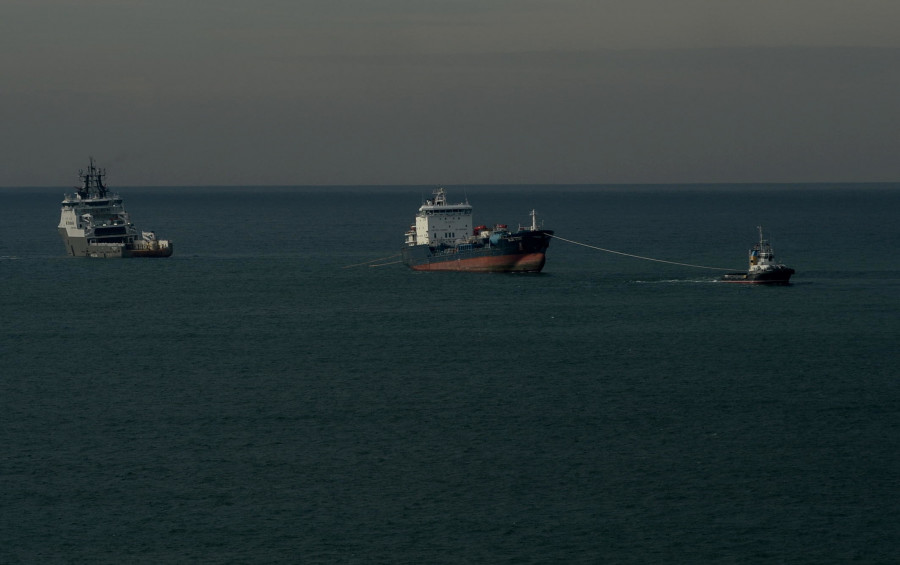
<point x="373" y="260"/>
<point x="639" y="256"/>
<point x="369" y="263"/>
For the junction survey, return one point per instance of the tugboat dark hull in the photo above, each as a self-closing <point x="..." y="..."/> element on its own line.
<point x="775" y="276"/>
<point x="523" y="252"/>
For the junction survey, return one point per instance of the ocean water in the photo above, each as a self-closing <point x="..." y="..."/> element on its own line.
<point x="261" y="397"/>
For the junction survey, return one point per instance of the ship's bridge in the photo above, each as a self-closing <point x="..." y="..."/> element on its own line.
<point x="438" y="222"/>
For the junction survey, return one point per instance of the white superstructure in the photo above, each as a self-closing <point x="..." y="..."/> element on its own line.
<point x="440" y="223"/>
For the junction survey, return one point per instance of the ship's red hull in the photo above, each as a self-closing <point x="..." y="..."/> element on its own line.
<point x="527" y="263"/>
<point x="522" y="252"/>
<point x="151" y="252"/>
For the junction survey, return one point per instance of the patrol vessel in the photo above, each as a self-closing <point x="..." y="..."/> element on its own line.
<point x="443" y="239"/>
<point x="93" y="223"/>
<point x="763" y="268"/>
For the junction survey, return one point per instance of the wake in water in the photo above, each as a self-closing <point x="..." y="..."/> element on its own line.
<point x="679" y="281"/>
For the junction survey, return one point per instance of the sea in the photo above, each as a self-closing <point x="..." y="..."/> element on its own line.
<point x="282" y="390"/>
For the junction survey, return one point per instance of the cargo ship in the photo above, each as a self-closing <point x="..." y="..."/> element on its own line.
<point x="93" y="223"/>
<point x="443" y="239"/>
<point x="763" y="268"/>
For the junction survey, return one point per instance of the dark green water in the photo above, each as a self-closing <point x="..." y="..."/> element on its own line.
<point x="251" y="400"/>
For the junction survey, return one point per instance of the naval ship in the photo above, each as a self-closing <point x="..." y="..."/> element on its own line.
<point x="763" y="268"/>
<point x="94" y="223"/>
<point x="443" y="239"/>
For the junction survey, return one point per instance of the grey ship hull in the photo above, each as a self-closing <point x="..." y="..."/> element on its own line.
<point x="79" y="247"/>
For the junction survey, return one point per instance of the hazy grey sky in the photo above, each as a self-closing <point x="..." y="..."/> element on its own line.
<point x="185" y="92"/>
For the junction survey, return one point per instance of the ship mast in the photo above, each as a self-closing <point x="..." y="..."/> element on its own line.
<point x="85" y="189"/>
<point x="92" y="181"/>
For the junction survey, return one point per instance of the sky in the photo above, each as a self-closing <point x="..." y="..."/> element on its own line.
<point x="433" y="92"/>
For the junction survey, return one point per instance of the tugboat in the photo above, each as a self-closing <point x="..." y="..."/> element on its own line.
<point x="94" y="223"/>
<point x="442" y="239"/>
<point x="763" y="268"/>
